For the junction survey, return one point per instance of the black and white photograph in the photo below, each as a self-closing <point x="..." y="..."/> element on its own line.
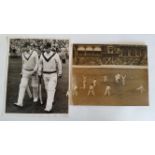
<point x="110" y="74"/>
<point x="37" y="80"/>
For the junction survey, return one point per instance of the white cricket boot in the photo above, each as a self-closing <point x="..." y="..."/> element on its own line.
<point x="17" y="104"/>
<point x="20" y="97"/>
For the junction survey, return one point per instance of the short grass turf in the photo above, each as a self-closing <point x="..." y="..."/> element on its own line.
<point x="120" y="95"/>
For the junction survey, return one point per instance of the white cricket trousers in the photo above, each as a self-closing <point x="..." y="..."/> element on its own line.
<point x="107" y="92"/>
<point x="50" y="81"/>
<point x="26" y="76"/>
<point x="91" y="91"/>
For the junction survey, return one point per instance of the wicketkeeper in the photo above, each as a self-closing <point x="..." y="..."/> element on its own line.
<point x="29" y="70"/>
<point x="50" y="68"/>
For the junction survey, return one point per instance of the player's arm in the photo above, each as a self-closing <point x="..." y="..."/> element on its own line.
<point x="59" y="65"/>
<point x="22" y="57"/>
<point x="36" y="62"/>
<point x="40" y="65"/>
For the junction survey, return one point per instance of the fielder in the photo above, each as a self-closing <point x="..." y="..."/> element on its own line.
<point x="123" y="79"/>
<point x="141" y="89"/>
<point x="105" y="78"/>
<point x="91" y="90"/>
<point x="29" y="71"/>
<point x="84" y="81"/>
<point x="75" y="90"/>
<point x="107" y="91"/>
<point x="50" y="67"/>
<point x="94" y="82"/>
<point x="117" y="78"/>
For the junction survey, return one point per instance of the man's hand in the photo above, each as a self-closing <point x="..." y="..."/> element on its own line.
<point x="34" y="72"/>
<point x="60" y="76"/>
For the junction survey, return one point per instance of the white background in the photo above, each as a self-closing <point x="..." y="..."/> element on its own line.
<point x="79" y="16"/>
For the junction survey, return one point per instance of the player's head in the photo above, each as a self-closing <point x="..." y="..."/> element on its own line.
<point x="26" y="46"/>
<point x="32" y="46"/>
<point x="53" y="47"/>
<point x="42" y="48"/>
<point x="47" y="47"/>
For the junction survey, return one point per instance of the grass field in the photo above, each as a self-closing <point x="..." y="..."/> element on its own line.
<point x="61" y="101"/>
<point x="120" y="95"/>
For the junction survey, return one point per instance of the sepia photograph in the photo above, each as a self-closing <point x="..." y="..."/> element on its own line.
<point x="109" y="74"/>
<point x="37" y="80"/>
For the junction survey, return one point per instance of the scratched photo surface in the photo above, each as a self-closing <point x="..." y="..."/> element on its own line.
<point x="109" y="74"/>
<point x="14" y="78"/>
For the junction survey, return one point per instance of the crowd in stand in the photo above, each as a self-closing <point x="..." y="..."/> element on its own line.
<point x="38" y="44"/>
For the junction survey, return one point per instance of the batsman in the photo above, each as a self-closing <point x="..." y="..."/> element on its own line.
<point x="29" y="71"/>
<point x="50" y="68"/>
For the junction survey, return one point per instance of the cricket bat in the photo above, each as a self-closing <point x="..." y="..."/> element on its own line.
<point x="40" y="91"/>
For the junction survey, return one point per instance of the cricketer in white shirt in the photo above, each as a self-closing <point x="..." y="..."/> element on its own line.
<point x="107" y="91"/>
<point x="29" y="70"/>
<point x="50" y="67"/>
